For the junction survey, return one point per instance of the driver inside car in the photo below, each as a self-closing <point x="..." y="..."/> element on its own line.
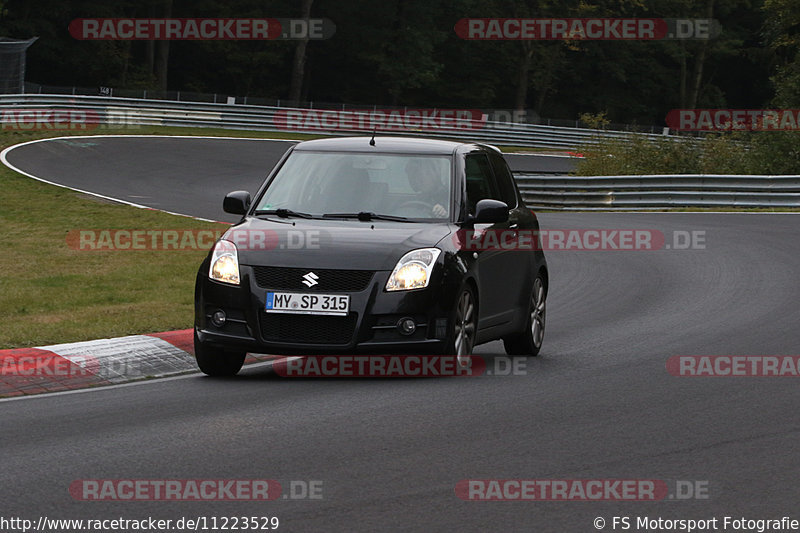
<point x="426" y="180"/>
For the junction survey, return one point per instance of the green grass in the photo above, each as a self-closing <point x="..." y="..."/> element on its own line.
<point x="52" y="293"/>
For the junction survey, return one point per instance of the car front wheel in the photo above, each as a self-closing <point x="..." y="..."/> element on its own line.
<point x="215" y="361"/>
<point x="464" y="326"/>
<point x="529" y="341"/>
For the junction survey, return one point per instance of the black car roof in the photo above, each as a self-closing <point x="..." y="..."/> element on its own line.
<point x="382" y="145"/>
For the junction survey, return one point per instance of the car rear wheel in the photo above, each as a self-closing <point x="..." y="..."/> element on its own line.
<point x="215" y="361"/>
<point x="529" y="341"/>
<point x="464" y="325"/>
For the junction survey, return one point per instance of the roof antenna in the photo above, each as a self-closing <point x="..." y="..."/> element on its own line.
<point x="372" y="140"/>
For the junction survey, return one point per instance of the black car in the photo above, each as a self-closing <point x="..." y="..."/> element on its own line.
<point x="373" y="245"/>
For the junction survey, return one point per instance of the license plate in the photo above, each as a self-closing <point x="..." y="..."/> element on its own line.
<point x="308" y="304"/>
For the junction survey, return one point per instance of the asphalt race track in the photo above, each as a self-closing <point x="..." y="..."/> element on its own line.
<point x="189" y="175"/>
<point x="598" y="403"/>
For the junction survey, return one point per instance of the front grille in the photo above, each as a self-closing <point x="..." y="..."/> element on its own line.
<point x="307" y="329"/>
<point x="282" y="278"/>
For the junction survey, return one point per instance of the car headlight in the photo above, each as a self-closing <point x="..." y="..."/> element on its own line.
<point x="224" y="263"/>
<point x="413" y="271"/>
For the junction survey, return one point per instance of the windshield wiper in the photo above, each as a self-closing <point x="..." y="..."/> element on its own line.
<point x="366" y="216"/>
<point x="283" y="213"/>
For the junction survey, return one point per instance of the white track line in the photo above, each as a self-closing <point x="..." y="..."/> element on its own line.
<point x="4" y="159"/>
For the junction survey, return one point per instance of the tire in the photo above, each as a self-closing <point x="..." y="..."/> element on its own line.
<point x="216" y="362"/>
<point x="464" y="326"/>
<point x="529" y="341"/>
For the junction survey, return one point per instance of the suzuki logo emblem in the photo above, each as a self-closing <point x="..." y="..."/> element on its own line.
<point x="310" y="279"/>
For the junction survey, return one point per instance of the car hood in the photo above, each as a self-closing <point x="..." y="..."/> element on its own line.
<point x="341" y="244"/>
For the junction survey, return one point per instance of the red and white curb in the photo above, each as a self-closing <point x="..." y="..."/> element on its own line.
<point x="100" y="362"/>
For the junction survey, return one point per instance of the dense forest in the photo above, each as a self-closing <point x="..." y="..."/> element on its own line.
<point x="406" y="52"/>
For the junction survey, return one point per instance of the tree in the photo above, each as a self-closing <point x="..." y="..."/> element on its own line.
<point x="782" y="29"/>
<point x="299" y="61"/>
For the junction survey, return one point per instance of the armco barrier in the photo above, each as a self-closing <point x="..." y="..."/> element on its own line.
<point x="658" y="191"/>
<point x="134" y="112"/>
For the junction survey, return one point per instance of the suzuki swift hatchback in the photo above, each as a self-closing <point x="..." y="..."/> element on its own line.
<point x="359" y="245"/>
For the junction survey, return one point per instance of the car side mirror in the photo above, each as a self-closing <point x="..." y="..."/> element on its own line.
<point x="236" y="202"/>
<point x="490" y="212"/>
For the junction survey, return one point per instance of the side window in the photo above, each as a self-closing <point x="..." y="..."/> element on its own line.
<point x="505" y="181"/>
<point x="480" y="181"/>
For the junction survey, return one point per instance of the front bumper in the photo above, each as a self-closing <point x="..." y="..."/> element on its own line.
<point x="370" y="327"/>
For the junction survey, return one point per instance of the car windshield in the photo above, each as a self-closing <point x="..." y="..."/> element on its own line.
<point x="414" y="187"/>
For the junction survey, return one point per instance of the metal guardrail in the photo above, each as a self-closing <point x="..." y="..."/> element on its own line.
<point x="658" y="191"/>
<point x="130" y="112"/>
